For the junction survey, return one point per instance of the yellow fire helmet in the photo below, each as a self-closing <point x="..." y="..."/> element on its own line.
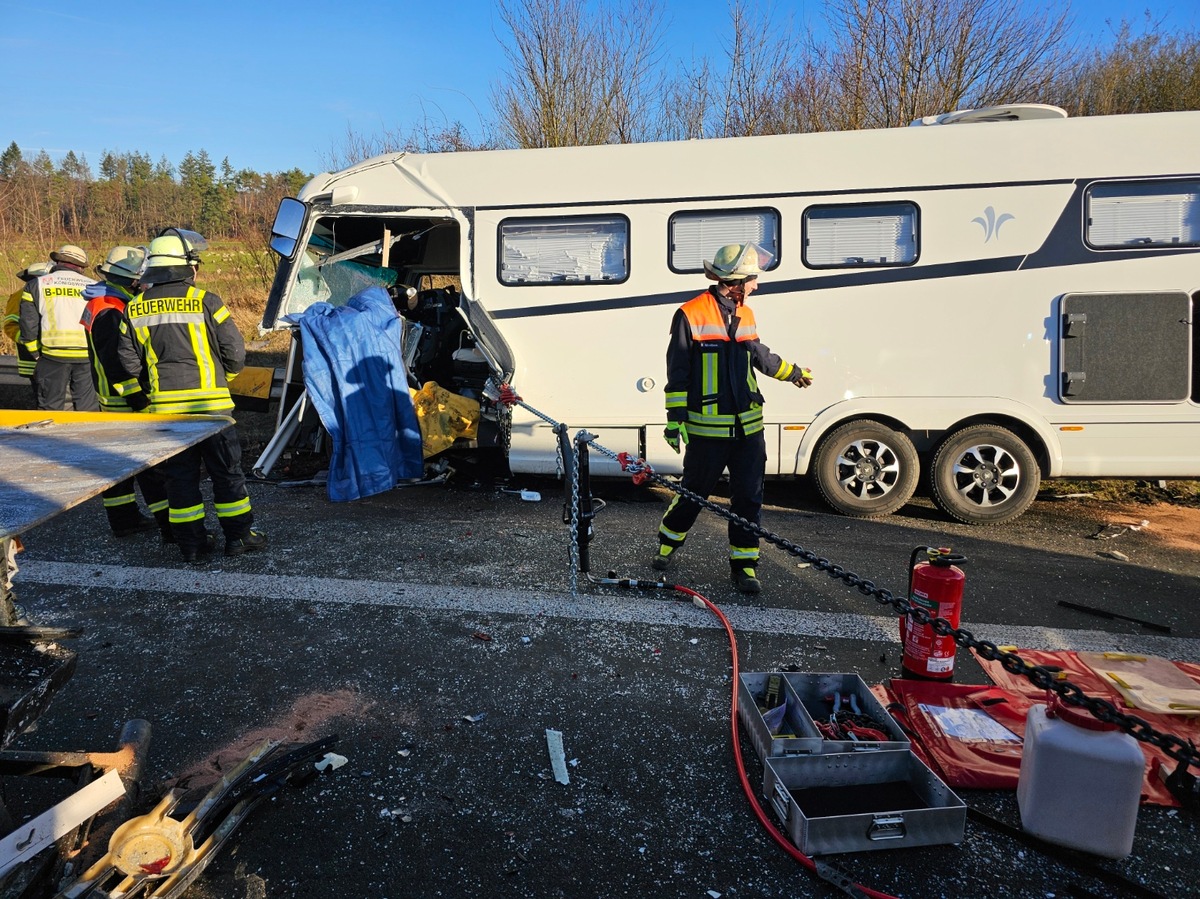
<point x="175" y="246"/>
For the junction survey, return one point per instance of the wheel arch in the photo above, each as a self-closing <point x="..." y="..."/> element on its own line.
<point x="823" y="426"/>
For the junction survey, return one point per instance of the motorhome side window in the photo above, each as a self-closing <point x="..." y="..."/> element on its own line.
<point x="693" y="237"/>
<point x="1143" y="213"/>
<point x="564" y="250"/>
<point x="857" y="235"/>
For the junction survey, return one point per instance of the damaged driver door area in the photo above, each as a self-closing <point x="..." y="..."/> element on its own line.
<point x="450" y="346"/>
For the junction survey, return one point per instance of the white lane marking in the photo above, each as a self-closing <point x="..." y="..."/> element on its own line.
<point x="658" y="607"/>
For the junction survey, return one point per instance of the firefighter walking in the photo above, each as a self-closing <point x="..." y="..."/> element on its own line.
<point x="714" y="406"/>
<point x="181" y="348"/>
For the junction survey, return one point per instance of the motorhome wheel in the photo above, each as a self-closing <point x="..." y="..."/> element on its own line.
<point x="984" y="474"/>
<point x="865" y="469"/>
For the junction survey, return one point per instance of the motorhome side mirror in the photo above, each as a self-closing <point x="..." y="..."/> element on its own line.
<point x="285" y="233"/>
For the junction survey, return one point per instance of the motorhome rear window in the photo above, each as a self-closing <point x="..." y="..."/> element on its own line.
<point x="1143" y="214"/>
<point x="852" y="236"/>
<point x="695" y="236"/>
<point x="564" y="250"/>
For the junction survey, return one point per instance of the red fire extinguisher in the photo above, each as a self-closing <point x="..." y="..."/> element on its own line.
<point x="935" y="585"/>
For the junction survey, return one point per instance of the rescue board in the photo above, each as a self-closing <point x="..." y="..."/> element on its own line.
<point x="53" y="461"/>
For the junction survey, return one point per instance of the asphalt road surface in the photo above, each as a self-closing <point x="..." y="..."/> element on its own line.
<point x="434" y="630"/>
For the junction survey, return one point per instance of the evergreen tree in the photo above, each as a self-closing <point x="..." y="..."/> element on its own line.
<point x="11" y="162"/>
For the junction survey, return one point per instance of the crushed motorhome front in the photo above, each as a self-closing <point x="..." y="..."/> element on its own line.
<point x="988" y="299"/>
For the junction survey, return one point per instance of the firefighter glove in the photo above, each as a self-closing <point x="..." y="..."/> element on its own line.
<point x="137" y="401"/>
<point x="801" y="377"/>
<point x="675" y="432"/>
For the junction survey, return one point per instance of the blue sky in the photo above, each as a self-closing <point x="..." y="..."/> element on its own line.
<point x="275" y="86"/>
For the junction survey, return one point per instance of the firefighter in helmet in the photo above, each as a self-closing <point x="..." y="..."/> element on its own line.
<point x="102" y="317"/>
<point x="51" y="336"/>
<point x="181" y="349"/>
<point x="714" y="407"/>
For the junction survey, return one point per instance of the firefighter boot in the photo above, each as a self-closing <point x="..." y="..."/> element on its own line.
<point x="129" y="527"/>
<point x="165" y="535"/>
<point x="663" y="558"/>
<point x="253" y="541"/>
<point x="193" y="552"/>
<point x="746" y="581"/>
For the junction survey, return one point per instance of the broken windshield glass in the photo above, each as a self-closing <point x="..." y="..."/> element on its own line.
<point x="319" y="280"/>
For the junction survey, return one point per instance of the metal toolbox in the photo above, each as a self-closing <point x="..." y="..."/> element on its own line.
<point x="796" y="734"/>
<point x="816" y="693"/>
<point x="858" y="801"/>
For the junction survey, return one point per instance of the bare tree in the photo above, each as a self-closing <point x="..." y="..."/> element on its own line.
<point x="889" y="62"/>
<point x="735" y="89"/>
<point x="578" y="76"/>
<point x="425" y="137"/>
<point x="1148" y="72"/>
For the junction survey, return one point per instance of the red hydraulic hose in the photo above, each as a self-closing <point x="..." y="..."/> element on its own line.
<point x="765" y="821"/>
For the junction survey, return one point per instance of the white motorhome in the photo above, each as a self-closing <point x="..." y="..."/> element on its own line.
<point x="989" y="298"/>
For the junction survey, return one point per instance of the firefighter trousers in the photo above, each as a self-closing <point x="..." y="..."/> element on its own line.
<point x="704" y="461"/>
<point x="121" y="507"/>
<point x="222" y="458"/>
<point x="52" y="379"/>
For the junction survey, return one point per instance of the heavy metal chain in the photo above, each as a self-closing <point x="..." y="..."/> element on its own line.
<point x="573" y="476"/>
<point x="1175" y="747"/>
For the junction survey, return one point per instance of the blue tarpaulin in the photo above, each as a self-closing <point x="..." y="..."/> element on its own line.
<point x="355" y="377"/>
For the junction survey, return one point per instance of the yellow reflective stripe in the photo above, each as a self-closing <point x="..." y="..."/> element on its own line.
<point x="71" y="353"/>
<point x="143" y="338"/>
<point x="671" y="535"/>
<point x="706" y="418"/>
<point x="171" y="406"/>
<point x="228" y="510"/>
<point x="220" y="315"/>
<point x="127" y="388"/>
<point x="160" y="506"/>
<point x="103" y="388"/>
<point x="193" y="393"/>
<point x="111" y="502"/>
<point x="677" y="400"/>
<point x="204" y="363"/>
<point x="747" y="553"/>
<point x="785" y="371"/>
<point x="31" y="345"/>
<point x="697" y="430"/>
<point x="708" y="382"/>
<point x="183" y="516"/>
<point x="26" y="367"/>
<point x="62" y="337"/>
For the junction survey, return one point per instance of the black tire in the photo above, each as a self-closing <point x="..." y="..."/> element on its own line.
<point x="865" y="469"/>
<point x="984" y="475"/>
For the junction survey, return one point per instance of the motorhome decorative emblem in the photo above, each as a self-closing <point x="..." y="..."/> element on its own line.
<point x="991" y="223"/>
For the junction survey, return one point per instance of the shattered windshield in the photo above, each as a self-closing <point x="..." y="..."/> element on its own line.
<point x="327" y="273"/>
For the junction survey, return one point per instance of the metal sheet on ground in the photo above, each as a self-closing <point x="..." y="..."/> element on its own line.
<point x="52" y="461"/>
